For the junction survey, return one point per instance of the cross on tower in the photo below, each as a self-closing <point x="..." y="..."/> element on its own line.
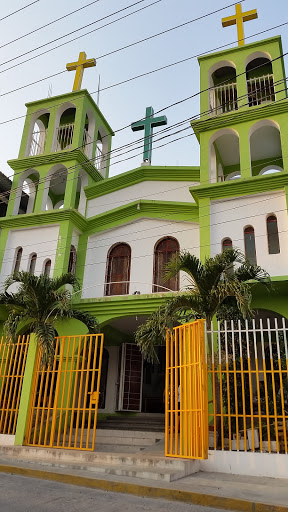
<point x="147" y="125"/>
<point x="79" y="66"/>
<point x="238" y="20"/>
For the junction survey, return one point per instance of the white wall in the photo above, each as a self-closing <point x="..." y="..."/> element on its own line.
<point x="41" y="240"/>
<point x="246" y="463"/>
<point x="156" y="190"/>
<point x="229" y="218"/>
<point x="142" y="236"/>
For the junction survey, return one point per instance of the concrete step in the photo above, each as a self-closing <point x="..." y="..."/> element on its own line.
<point x="134" y="465"/>
<point x="128" y="437"/>
<point x="55" y="455"/>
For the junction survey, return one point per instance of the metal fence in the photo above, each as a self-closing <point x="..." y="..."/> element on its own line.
<point x="248" y="381"/>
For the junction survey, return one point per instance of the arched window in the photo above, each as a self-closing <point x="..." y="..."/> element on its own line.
<point x="18" y="259"/>
<point x="164" y="250"/>
<point x="32" y="264"/>
<point x="118" y="270"/>
<point x="226" y="244"/>
<point x="272" y="235"/>
<point x="72" y="260"/>
<point x="249" y="242"/>
<point x="47" y="268"/>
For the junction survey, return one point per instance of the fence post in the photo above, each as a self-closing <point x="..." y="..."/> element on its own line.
<point x="23" y="413"/>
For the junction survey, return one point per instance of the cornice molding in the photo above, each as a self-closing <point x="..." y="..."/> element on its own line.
<point x="54" y="158"/>
<point x="44" y="218"/>
<point x="241" y="187"/>
<point x="140" y="174"/>
<point x="236" y="117"/>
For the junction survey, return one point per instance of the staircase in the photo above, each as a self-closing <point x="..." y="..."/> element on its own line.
<point x="131" y="433"/>
<point x="138" y="466"/>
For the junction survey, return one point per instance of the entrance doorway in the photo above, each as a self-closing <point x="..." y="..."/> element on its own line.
<point x="154" y="383"/>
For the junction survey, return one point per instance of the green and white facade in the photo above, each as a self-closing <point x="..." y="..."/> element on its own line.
<point x="242" y="132"/>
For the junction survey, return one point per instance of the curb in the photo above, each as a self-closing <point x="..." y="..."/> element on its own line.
<point x="205" y="500"/>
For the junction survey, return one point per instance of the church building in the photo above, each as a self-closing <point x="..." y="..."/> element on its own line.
<point x="117" y="233"/>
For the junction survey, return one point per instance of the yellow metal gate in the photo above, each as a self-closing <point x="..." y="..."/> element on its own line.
<point x="186" y="393"/>
<point x="12" y="367"/>
<point x="64" y="401"/>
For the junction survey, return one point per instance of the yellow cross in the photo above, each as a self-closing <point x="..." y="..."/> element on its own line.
<point x="238" y="20"/>
<point x="79" y="66"/>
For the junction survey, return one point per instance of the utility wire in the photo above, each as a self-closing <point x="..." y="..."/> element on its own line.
<point x="47" y="24"/>
<point x="77" y="30"/>
<point x="18" y="10"/>
<point x="223" y="121"/>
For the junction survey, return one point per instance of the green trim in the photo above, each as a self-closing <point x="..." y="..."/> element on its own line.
<point x="144" y="173"/>
<point x="54" y="158"/>
<point x="245" y="47"/>
<point x="107" y="308"/>
<point x="70" y="96"/>
<point x="241" y="187"/>
<point x="144" y="208"/>
<point x="237" y="116"/>
<point x="44" y="218"/>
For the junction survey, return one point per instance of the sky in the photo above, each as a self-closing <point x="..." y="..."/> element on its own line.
<point x="123" y="104"/>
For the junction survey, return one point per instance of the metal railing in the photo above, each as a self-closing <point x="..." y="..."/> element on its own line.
<point x="87" y="143"/>
<point x="64" y="137"/>
<point x="12" y="366"/>
<point x="261" y="90"/>
<point x="38" y="142"/>
<point x="99" y="158"/>
<point x="248" y="373"/>
<point x="223" y="98"/>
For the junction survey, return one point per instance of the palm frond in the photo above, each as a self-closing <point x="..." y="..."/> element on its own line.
<point x="45" y="334"/>
<point x="185" y="262"/>
<point x="86" y="318"/>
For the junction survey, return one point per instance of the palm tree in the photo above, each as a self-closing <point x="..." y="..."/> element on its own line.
<point x="212" y="286"/>
<point x="37" y="304"/>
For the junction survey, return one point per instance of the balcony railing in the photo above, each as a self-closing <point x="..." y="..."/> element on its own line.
<point x="223" y="98"/>
<point x="260" y="90"/>
<point x="87" y="143"/>
<point x="38" y="142"/>
<point x="98" y="160"/>
<point x="64" y="137"/>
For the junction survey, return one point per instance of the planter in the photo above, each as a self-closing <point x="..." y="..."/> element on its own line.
<point x="273" y="446"/>
<point x="241" y="445"/>
<point x="211" y="439"/>
<point x="256" y="439"/>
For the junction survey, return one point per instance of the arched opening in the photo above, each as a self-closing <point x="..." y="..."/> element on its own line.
<point x="118" y="270"/>
<point x="101" y="151"/>
<point x="88" y="135"/>
<point x="260" y="80"/>
<point x="72" y="260"/>
<point x="249" y="244"/>
<point x="19" y="253"/>
<point x="103" y="379"/>
<point x="38" y="135"/>
<point x="64" y="127"/>
<point x="270" y="169"/>
<point x="226" y="244"/>
<point x="27" y="187"/>
<point x="47" y="268"/>
<point x="55" y="187"/>
<point x="265" y="147"/>
<point x="32" y="263"/>
<point x="164" y="250"/>
<point x="81" y="199"/>
<point x="224" y="155"/>
<point x="272" y="234"/>
<point x="222" y="88"/>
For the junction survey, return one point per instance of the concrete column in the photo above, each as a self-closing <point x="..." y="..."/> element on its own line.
<point x="23" y="413"/>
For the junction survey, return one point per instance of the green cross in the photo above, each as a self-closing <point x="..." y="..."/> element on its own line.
<point x="147" y="125"/>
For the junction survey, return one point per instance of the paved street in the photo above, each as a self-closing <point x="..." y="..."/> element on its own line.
<point x="22" y="494"/>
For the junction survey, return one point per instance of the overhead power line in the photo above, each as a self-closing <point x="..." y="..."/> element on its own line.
<point x="18" y="10"/>
<point x="47" y="24"/>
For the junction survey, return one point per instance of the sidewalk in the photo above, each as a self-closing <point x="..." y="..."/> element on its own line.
<point x="207" y="489"/>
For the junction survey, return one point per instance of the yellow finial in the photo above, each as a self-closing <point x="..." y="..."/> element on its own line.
<point x="79" y="66"/>
<point x="238" y="20"/>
